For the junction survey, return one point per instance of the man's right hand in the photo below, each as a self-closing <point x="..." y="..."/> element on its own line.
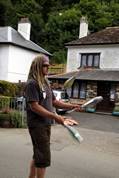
<point x="65" y="121"/>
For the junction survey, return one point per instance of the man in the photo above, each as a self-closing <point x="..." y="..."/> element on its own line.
<point x="39" y="103"/>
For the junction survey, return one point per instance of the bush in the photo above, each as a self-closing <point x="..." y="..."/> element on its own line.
<point x="16" y="119"/>
<point x="11" y="119"/>
<point x="4" y="102"/>
<point x="7" y="88"/>
<point x="59" y="57"/>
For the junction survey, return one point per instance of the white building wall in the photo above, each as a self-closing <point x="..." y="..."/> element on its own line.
<point x="4" y="54"/>
<point x="19" y="63"/>
<point x="109" y="56"/>
<point x="72" y="59"/>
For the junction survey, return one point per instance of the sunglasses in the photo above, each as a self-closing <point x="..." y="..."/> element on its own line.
<point x="45" y="65"/>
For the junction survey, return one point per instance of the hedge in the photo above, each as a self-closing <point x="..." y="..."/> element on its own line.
<point x="8" y="89"/>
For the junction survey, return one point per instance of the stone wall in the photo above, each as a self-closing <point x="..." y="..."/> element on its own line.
<point x="91" y="90"/>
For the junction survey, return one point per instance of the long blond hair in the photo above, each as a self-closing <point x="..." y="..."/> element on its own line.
<point x="36" y="71"/>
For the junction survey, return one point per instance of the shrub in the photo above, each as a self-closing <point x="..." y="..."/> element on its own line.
<point x="7" y="88"/>
<point x="16" y="119"/>
<point x="4" y="102"/>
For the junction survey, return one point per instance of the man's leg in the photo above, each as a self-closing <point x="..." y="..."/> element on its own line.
<point x="40" y="172"/>
<point x="32" y="172"/>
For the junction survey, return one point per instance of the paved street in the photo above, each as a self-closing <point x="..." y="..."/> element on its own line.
<point x="96" y="157"/>
<point x="106" y="123"/>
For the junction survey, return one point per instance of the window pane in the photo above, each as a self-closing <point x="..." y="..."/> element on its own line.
<point x="75" y="90"/>
<point x="112" y="93"/>
<point x="83" y="90"/>
<point x="83" y="60"/>
<point x="90" y="60"/>
<point x="96" y="60"/>
<point x="69" y="92"/>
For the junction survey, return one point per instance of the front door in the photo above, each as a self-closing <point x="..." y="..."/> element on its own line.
<point x="103" y="89"/>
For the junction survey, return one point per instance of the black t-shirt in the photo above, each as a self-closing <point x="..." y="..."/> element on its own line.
<point x="44" y="98"/>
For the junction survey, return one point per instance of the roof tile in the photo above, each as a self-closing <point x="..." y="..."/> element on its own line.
<point x="109" y="35"/>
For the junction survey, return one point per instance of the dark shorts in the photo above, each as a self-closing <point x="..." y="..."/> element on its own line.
<point x="40" y="137"/>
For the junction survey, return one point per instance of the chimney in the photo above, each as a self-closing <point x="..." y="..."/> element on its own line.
<point x="24" y="28"/>
<point x="83" y="27"/>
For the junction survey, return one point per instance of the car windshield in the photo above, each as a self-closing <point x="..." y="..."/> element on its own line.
<point x="64" y="95"/>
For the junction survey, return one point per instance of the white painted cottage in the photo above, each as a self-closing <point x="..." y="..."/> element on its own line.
<point x="17" y="52"/>
<point x="97" y="50"/>
<point x="94" y="60"/>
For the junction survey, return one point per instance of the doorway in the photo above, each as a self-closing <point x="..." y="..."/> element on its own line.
<point x="103" y="89"/>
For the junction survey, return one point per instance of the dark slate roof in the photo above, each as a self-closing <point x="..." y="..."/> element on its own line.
<point x="109" y="35"/>
<point x="10" y="35"/>
<point x="94" y="75"/>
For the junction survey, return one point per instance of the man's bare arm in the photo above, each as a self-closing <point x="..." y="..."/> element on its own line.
<point x="61" y="104"/>
<point x="35" y="107"/>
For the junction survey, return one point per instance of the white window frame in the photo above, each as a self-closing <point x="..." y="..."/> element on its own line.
<point x="90" y="60"/>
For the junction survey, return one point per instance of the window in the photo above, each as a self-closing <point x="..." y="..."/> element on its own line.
<point x="69" y="92"/>
<point x="79" y="90"/>
<point x="75" y="90"/>
<point x="90" y="60"/>
<point x="83" y="91"/>
<point x="112" y="92"/>
<point x="83" y="60"/>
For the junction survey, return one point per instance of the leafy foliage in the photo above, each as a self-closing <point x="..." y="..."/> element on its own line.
<point x="4" y="102"/>
<point x="7" y="88"/>
<point x="14" y="118"/>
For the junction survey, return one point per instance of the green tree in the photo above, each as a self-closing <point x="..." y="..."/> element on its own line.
<point x="2" y="13"/>
<point x="5" y="7"/>
<point x="114" y="10"/>
<point x="61" y="27"/>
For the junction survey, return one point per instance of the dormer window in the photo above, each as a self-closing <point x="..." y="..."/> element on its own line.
<point x="90" y="60"/>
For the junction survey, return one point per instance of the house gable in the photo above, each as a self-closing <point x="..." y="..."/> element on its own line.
<point x="11" y="36"/>
<point x="17" y="54"/>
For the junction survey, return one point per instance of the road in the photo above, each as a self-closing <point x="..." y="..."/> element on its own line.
<point x="96" y="157"/>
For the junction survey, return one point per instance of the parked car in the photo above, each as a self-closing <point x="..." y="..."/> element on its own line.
<point x="61" y="95"/>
